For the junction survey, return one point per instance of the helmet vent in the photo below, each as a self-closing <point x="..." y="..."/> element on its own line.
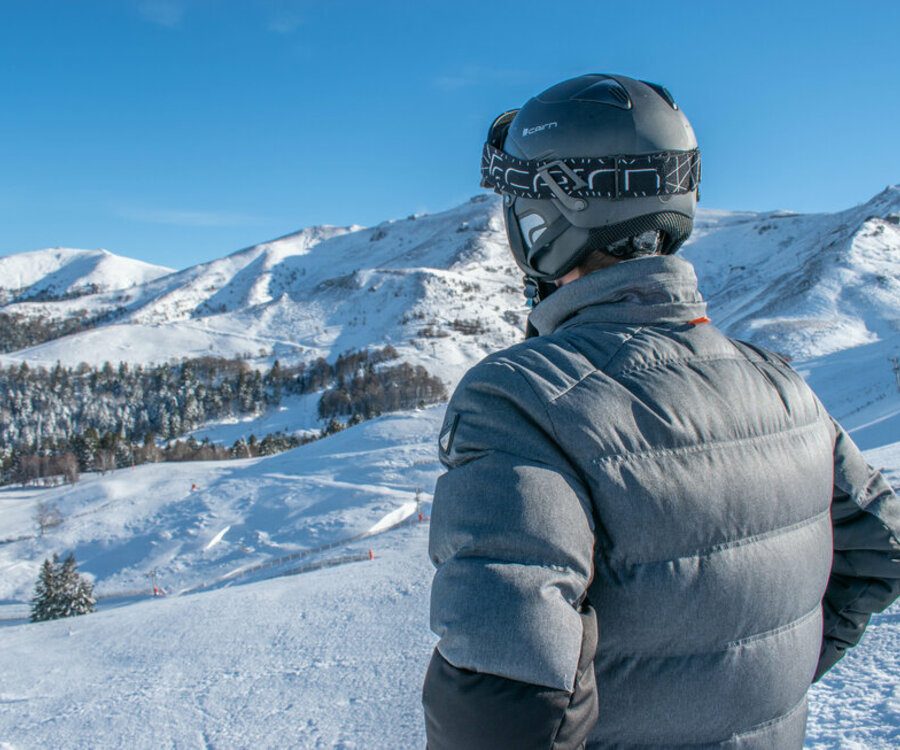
<point x="605" y="92"/>
<point x="664" y="93"/>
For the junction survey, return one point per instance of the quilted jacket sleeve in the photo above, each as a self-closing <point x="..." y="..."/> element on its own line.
<point x="512" y="541"/>
<point x="865" y="575"/>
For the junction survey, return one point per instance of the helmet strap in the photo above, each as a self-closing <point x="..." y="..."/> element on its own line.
<point x="573" y="204"/>
<point x="537" y="290"/>
<point x="614" y="177"/>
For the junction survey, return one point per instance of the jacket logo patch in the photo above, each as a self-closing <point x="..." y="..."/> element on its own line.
<point x="445" y="441"/>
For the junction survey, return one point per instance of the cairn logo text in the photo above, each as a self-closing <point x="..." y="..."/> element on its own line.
<point x="539" y="128"/>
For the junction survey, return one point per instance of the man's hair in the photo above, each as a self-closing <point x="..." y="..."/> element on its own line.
<point x="596" y="261"/>
<point x="641" y="246"/>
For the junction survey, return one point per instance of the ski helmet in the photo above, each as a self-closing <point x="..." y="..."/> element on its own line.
<point x="588" y="164"/>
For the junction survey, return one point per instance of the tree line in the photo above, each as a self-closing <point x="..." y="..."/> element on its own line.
<point x="62" y="421"/>
<point x="20" y="331"/>
<point x="370" y="392"/>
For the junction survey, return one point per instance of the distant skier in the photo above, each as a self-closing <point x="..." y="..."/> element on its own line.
<point x="649" y="535"/>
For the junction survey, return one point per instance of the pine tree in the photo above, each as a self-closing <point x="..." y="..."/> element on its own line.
<point x="333" y="427"/>
<point x="45" y="605"/>
<point x="76" y="592"/>
<point x="61" y="591"/>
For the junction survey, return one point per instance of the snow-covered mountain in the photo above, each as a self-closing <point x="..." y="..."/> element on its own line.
<point x="334" y="656"/>
<point x="806" y="285"/>
<point x="821" y="288"/>
<point x="61" y="272"/>
<point x="442" y="288"/>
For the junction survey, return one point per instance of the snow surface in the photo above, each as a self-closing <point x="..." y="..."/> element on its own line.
<point x="332" y="658"/>
<point x="172" y="517"/>
<point x="294" y="415"/>
<point x="277" y="629"/>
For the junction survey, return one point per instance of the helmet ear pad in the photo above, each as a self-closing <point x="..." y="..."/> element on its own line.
<point x="603" y="212"/>
<point x="544" y="243"/>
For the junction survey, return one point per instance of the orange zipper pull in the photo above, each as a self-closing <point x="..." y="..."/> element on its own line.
<point x="701" y="319"/>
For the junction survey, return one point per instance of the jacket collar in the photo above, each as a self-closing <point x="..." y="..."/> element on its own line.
<point x="644" y="291"/>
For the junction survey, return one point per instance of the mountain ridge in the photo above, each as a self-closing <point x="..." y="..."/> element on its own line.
<point x="443" y="289"/>
<point x="61" y="272"/>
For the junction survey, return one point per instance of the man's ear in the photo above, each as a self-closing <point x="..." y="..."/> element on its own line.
<point x="575" y="273"/>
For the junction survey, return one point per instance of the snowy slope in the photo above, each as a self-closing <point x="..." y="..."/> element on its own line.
<point x="64" y="272"/>
<point x="171" y="517"/>
<point x="806" y="285"/>
<point x="424" y="284"/>
<point x="329" y="658"/>
<point x="288" y="662"/>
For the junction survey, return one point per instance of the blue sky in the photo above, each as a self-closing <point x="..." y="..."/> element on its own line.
<point x="176" y="131"/>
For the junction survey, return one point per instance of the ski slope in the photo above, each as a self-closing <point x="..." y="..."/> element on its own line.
<point x="332" y="658"/>
<point x="196" y="522"/>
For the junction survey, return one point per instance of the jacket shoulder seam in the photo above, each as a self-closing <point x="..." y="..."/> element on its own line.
<point x="762" y="354"/>
<point x="595" y="370"/>
<point x="542" y="400"/>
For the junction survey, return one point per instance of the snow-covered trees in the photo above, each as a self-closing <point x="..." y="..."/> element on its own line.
<point x="369" y="392"/>
<point x="56" y="423"/>
<point x="19" y="331"/>
<point x="61" y="591"/>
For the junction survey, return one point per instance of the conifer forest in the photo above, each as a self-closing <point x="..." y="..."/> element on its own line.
<point x="56" y="423"/>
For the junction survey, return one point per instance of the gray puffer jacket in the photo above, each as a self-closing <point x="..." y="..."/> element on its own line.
<point x="649" y="535"/>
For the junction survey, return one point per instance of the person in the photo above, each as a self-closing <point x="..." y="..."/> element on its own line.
<point x="648" y="534"/>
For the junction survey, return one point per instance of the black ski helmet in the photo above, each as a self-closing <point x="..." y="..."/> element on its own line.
<point x="587" y="163"/>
